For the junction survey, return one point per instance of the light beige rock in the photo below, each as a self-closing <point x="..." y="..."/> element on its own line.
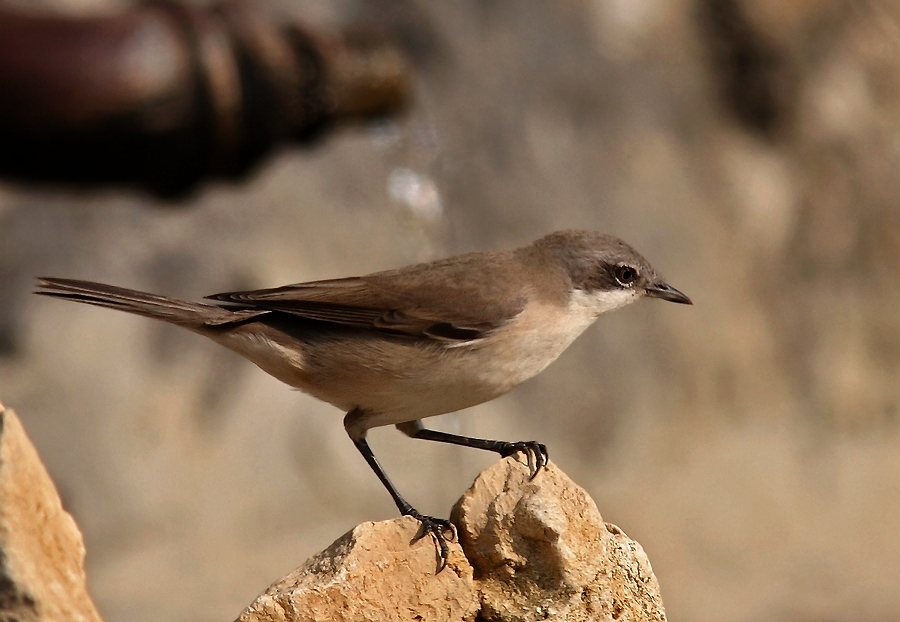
<point x="540" y="551"/>
<point x="41" y="550"/>
<point x="376" y="572"/>
<point x="539" y="548"/>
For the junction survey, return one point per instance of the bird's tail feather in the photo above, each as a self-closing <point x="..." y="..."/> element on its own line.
<point x="173" y="310"/>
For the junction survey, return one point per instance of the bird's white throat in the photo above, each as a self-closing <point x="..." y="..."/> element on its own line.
<point x="597" y="302"/>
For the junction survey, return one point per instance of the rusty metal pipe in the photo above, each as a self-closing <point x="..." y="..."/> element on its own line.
<point x="165" y="95"/>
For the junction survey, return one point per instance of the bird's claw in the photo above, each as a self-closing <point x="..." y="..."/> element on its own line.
<point x="438" y="529"/>
<point x="535" y="453"/>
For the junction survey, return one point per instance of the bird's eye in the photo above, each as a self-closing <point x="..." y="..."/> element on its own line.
<point x="625" y="275"/>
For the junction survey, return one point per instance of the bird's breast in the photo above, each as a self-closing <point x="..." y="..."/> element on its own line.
<point x="533" y="340"/>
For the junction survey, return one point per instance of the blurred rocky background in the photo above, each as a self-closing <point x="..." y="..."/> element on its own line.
<point x="749" y="148"/>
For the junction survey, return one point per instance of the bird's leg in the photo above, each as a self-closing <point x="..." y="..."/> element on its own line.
<point x="439" y="528"/>
<point x="536" y="453"/>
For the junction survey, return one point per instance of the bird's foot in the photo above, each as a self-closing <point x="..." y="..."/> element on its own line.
<point x="535" y="453"/>
<point x="440" y="529"/>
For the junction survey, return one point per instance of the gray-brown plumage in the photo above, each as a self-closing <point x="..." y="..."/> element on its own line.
<point x="397" y="346"/>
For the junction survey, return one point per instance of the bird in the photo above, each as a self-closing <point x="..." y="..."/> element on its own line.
<point x="398" y="346"/>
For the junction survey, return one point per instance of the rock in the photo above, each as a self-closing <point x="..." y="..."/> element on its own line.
<point x="537" y="549"/>
<point x="41" y="550"/>
<point x="528" y="550"/>
<point x="540" y="550"/>
<point x="377" y="571"/>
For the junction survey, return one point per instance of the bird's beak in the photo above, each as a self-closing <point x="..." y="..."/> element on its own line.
<point x="667" y="292"/>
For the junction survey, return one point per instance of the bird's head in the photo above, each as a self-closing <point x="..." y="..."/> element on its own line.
<point x="604" y="271"/>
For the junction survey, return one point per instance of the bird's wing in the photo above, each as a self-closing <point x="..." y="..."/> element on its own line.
<point x="452" y="301"/>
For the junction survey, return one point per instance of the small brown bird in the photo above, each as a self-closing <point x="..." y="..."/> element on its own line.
<point x="395" y="347"/>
